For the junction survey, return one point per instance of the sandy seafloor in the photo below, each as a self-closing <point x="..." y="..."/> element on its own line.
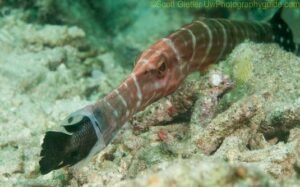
<point x="56" y="57"/>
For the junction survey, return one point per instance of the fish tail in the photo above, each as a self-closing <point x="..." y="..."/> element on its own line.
<point x="282" y="33"/>
<point x="53" y="151"/>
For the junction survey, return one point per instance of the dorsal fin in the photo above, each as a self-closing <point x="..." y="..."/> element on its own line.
<point x="277" y="16"/>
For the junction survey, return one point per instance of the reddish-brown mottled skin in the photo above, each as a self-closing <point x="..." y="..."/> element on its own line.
<point x="161" y="68"/>
<point x="158" y="72"/>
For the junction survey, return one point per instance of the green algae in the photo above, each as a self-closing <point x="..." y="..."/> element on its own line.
<point x="242" y="70"/>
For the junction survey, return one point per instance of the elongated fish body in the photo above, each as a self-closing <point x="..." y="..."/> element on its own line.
<point x="158" y="72"/>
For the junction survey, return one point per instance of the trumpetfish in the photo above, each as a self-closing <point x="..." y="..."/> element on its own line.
<point x="158" y="72"/>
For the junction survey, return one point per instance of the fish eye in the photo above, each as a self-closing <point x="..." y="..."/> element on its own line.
<point x="162" y="67"/>
<point x="159" y="69"/>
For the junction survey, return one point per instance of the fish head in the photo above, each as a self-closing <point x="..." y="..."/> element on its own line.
<point x="157" y="71"/>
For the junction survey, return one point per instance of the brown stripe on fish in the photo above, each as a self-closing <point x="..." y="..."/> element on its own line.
<point x="224" y="43"/>
<point x="203" y="44"/>
<point x="169" y="42"/>
<point x="214" y="43"/>
<point x="183" y="42"/>
<point x="232" y="35"/>
<point x="193" y="42"/>
<point x="124" y="99"/>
